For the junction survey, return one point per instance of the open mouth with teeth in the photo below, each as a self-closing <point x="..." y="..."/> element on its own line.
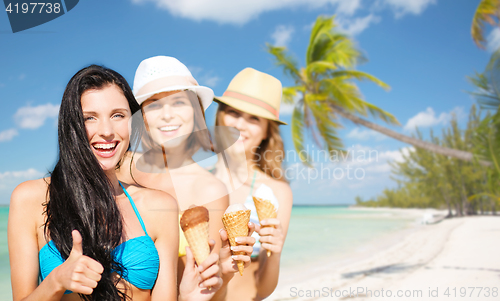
<point x="105" y="149"/>
<point x="169" y="128"/>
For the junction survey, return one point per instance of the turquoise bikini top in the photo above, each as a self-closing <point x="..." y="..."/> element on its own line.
<point x="138" y="256"/>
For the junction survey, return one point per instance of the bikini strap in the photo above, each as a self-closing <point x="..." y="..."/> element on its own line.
<point x="135" y="209"/>
<point x="253" y="181"/>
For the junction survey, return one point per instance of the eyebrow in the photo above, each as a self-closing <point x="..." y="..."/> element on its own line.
<point x="114" y="111"/>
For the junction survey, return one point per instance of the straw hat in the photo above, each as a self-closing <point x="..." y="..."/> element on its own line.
<point x="255" y="93"/>
<point x="163" y="74"/>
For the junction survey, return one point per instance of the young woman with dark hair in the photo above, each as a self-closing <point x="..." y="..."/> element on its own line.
<point x="85" y="234"/>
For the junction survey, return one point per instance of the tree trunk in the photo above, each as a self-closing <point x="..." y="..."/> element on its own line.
<point x="448" y="203"/>
<point x="455" y="153"/>
<point x="458" y="208"/>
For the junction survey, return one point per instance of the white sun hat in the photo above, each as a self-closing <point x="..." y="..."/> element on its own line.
<point x="163" y="74"/>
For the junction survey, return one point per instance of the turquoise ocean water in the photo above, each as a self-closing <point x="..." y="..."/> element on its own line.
<point x="314" y="233"/>
<point x="318" y="232"/>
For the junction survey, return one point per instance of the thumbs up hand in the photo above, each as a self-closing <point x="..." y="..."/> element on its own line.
<point x="79" y="273"/>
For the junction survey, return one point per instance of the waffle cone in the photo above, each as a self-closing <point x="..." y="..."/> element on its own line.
<point x="236" y="225"/>
<point x="265" y="209"/>
<point x="197" y="238"/>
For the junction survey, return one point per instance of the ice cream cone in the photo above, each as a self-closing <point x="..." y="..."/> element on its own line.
<point x="265" y="209"/>
<point x="236" y="225"/>
<point x="194" y="223"/>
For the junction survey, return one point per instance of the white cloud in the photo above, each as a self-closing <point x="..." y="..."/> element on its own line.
<point x="365" y="134"/>
<point x="428" y="118"/>
<point x="22" y="76"/>
<point x="385" y="158"/>
<point x="29" y="117"/>
<point x="7" y="135"/>
<point x="493" y="40"/>
<point x="403" y="7"/>
<point x="379" y="168"/>
<point x="348" y="7"/>
<point x="24" y="174"/>
<point x="242" y="11"/>
<point x="358" y="25"/>
<point x="282" y="35"/>
<point x="286" y="109"/>
<point x="396" y="155"/>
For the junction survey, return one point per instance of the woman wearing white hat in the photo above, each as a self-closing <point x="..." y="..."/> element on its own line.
<point x="172" y="108"/>
<point x="251" y="105"/>
<point x="81" y="234"/>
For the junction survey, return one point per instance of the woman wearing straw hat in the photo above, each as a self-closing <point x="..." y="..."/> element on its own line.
<point x="172" y="111"/>
<point x="251" y="105"/>
<point x="80" y="234"/>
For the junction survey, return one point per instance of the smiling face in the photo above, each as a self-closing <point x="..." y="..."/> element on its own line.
<point x="253" y="129"/>
<point x="169" y="115"/>
<point x="107" y="114"/>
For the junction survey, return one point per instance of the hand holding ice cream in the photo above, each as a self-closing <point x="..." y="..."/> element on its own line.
<point x="200" y="282"/>
<point x="236" y="223"/>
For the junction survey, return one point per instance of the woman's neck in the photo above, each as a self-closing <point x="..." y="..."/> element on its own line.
<point x="162" y="158"/>
<point x="111" y="174"/>
<point x="251" y="166"/>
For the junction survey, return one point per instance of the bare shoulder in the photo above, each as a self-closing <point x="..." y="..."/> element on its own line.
<point x="150" y="199"/>
<point x="158" y="209"/>
<point x="212" y="184"/>
<point x="208" y="188"/>
<point x="27" y="202"/>
<point x="282" y="191"/>
<point x="30" y="193"/>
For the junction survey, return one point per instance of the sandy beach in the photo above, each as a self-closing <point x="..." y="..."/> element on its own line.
<point x="455" y="259"/>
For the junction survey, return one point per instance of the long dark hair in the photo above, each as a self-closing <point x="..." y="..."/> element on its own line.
<point x="80" y="194"/>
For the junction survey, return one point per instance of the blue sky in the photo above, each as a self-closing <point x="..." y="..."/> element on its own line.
<point x="421" y="48"/>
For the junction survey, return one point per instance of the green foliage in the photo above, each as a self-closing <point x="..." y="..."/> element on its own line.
<point x="426" y="179"/>
<point x="325" y="83"/>
<point x="487" y="84"/>
<point x="488" y="11"/>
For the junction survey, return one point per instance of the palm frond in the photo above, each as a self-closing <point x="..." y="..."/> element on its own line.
<point x="347" y="95"/>
<point x="487" y="84"/>
<point x="344" y="52"/>
<point x="343" y="93"/>
<point x="379" y="113"/>
<point x="282" y="59"/>
<point x="487" y="11"/>
<point x="317" y="42"/>
<point x="326" y="125"/>
<point x="359" y="75"/>
<point x="297" y="126"/>
<point x="320" y="67"/>
<point x="290" y="93"/>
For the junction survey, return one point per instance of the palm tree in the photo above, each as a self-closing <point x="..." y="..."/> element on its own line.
<point x="487" y="84"/>
<point x="488" y="11"/>
<point x="324" y="92"/>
